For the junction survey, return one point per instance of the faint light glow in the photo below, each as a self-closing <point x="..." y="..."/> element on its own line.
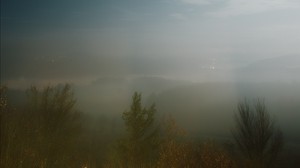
<point x="213" y="62"/>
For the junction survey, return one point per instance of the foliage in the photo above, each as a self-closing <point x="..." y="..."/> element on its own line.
<point x="174" y="152"/>
<point x="49" y="132"/>
<point x="256" y="135"/>
<point x="3" y="99"/>
<point x="141" y="141"/>
<point x="4" y="126"/>
<point x="213" y="156"/>
<point x="45" y="132"/>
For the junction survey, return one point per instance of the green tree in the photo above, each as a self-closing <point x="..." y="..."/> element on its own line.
<point x="256" y="135"/>
<point x="141" y="140"/>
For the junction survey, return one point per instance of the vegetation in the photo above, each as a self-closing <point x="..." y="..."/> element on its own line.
<point x="139" y="145"/>
<point x="44" y="133"/>
<point x="173" y="152"/>
<point x="256" y="135"/>
<point x="49" y="132"/>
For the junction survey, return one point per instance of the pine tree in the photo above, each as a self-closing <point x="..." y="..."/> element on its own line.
<point x="141" y="139"/>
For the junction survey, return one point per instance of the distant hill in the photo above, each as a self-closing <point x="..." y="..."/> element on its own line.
<point x="202" y="108"/>
<point x="209" y="107"/>
<point x="279" y="69"/>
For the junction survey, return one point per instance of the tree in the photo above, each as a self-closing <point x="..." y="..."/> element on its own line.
<point x="256" y="135"/>
<point x="9" y="128"/>
<point x="3" y="127"/>
<point x="42" y="134"/>
<point x="141" y="139"/>
<point x="3" y="110"/>
<point x="53" y="125"/>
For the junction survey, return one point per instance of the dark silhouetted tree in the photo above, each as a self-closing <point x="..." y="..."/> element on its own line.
<point x="256" y="135"/>
<point x="43" y="134"/>
<point x="54" y="123"/>
<point x="10" y="141"/>
<point x="3" y="127"/>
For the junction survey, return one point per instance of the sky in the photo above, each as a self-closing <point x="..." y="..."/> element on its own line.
<point x="79" y="41"/>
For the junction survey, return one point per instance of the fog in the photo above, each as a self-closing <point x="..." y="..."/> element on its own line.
<point x="195" y="59"/>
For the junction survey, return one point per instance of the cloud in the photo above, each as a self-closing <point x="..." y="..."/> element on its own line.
<point x="197" y="2"/>
<point x="244" y="7"/>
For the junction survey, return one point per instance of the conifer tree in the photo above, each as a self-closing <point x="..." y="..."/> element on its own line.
<point x="141" y="139"/>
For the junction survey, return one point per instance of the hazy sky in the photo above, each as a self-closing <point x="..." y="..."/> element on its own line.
<point x="78" y="41"/>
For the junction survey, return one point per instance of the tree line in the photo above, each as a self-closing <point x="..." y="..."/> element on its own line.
<point x="49" y="132"/>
